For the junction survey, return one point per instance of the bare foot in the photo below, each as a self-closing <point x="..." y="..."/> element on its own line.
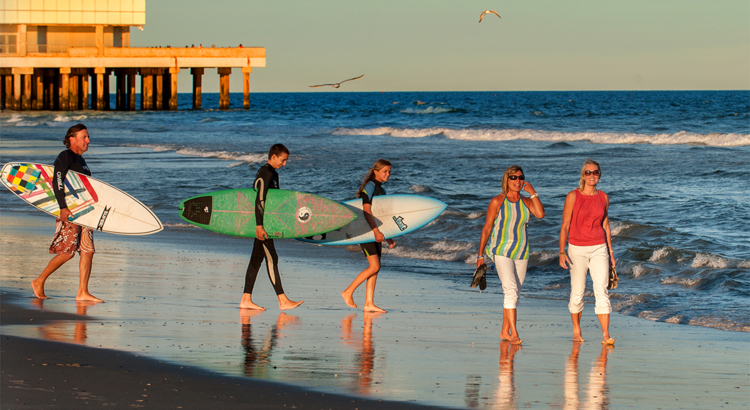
<point x="578" y="338"/>
<point x="349" y="299"/>
<point x="38" y="289"/>
<point x="505" y="336"/>
<point x="608" y="341"/>
<point x="87" y="297"/>
<point x="286" y="304"/>
<point x="247" y="302"/>
<point x="516" y="341"/>
<point x="373" y="308"/>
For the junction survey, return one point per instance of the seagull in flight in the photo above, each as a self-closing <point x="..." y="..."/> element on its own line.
<point x="336" y="85"/>
<point x="488" y="12"/>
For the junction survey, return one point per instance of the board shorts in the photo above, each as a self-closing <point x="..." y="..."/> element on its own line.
<point x="372" y="248"/>
<point x="70" y="238"/>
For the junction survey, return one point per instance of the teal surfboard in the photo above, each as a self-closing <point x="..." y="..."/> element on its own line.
<point x="288" y="214"/>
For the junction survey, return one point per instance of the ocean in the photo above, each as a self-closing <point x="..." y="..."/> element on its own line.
<point x="676" y="165"/>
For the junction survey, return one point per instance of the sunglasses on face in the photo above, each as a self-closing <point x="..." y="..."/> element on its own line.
<point x="596" y="172"/>
<point x="515" y="177"/>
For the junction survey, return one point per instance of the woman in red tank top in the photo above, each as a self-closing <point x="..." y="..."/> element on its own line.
<point x="585" y="229"/>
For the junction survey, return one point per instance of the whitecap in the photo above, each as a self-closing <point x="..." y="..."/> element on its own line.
<point x="669" y="280"/>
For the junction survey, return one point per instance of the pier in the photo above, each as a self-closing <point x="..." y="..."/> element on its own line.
<point x="62" y="56"/>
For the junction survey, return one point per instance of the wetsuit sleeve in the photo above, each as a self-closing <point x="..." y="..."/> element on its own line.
<point x="62" y="165"/>
<point x="367" y="193"/>
<point x="262" y="182"/>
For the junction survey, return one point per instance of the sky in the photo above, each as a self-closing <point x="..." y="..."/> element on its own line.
<point x="438" y="45"/>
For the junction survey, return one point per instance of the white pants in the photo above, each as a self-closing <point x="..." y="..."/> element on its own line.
<point x="593" y="259"/>
<point x="512" y="273"/>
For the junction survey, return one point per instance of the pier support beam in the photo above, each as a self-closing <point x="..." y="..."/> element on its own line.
<point x="16" y="91"/>
<point x="224" y="73"/>
<point x="131" y="89"/>
<point x="38" y="103"/>
<point x="197" y="86"/>
<point x="65" y="88"/>
<point x="99" y="72"/>
<point x="246" y="88"/>
<point x="8" y="92"/>
<point x="85" y="91"/>
<point x="147" y="94"/>
<point x="26" y="98"/>
<point x="121" y="93"/>
<point x="159" y="79"/>
<point x="173" y="71"/>
<point x="74" y="102"/>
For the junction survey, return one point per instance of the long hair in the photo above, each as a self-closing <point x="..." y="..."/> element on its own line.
<point x="379" y="164"/>
<point x="72" y="131"/>
<point x="511" y="170"/>
<point x="582" y="181"/>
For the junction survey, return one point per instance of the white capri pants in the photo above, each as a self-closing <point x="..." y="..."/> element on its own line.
<point x="512" y="273"/>
<point x="593" y="259"/>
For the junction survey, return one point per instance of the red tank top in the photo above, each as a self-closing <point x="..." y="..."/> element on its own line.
<point x="586" y="225"/>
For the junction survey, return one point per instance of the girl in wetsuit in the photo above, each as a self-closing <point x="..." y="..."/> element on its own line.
<point x="370" y="188"/>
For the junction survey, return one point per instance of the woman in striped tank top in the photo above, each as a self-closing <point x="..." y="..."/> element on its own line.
<point x="504" y="240"/>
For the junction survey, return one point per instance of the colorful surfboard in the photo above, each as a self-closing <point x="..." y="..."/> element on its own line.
<point x="288" y="214"/>
<point x="395" y="215"/>
<point x="94" y="204"/>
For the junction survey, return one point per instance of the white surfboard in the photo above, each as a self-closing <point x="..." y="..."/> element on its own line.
<point x="395" y="215"/>
<point x="94" y="204"/>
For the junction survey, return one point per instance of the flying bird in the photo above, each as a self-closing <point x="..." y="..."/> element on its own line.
<point x="488" y="12"/>
<point x="337" y="85"/>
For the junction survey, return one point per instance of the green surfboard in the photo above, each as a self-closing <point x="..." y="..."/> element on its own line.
<point x="288" y="214"/>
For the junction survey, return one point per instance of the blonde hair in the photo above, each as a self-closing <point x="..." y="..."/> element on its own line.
<point x="582" y="181"/>
<point x="511" y="170"/>
<point x="379" y="164"/>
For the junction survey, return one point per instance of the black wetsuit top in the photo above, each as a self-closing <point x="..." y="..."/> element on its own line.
<point x="266" y="178"/>
<point x="67" y="160"/>
<point x="371" y="190"/>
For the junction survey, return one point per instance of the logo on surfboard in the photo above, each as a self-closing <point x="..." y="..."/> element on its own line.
<point x="304" y="214"/>
<point x="400" y="223"/>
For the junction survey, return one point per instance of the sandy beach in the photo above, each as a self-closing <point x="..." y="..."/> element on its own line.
<point x="171" y="313"/>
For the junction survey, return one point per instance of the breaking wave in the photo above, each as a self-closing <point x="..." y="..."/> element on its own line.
<point x="712" y="139"/>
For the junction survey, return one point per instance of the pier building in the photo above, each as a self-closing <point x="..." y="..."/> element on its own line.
<point x="60" y="54"/>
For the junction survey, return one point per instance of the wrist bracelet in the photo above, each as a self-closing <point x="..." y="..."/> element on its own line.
<point x="561" y="253"/>
<point x="533" y="196"/>
<point x="480" y="257"/>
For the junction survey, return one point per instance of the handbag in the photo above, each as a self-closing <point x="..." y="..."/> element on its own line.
<point x="479" y="278"/>
<point x="613" y="278"/>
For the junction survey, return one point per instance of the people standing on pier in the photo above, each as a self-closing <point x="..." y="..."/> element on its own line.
<point x="370" y="188"/>
<point x="504" y="239"/>
<point x="585" y="228"/>
<point x="70" y="238"/>
<point x="263" y="248"/>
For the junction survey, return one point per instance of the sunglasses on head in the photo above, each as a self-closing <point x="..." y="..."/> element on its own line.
<point x="515" y="177"/>
<point x="595" y="172"/>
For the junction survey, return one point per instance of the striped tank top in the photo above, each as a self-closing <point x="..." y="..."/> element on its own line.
<point x="508" y="236"/>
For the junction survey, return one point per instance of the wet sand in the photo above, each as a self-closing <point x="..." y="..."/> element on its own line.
<point x="173" y="297"/>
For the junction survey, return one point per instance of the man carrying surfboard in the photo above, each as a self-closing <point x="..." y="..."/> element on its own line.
<point x="70" y="237"/>
<point x="266" y="178"/>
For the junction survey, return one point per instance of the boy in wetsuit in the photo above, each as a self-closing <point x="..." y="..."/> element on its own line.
<point x="266" y="178"/>
<point x="69" y="237"/>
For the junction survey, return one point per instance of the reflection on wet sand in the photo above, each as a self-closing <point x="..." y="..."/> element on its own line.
<point x="597" y="389"/>
<point x="507" y="394"/>
<point x="366" y="356"/>
<point x="471" y="393"/>
<point x="61" y="331"/>
<point x="258" y="359"/>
